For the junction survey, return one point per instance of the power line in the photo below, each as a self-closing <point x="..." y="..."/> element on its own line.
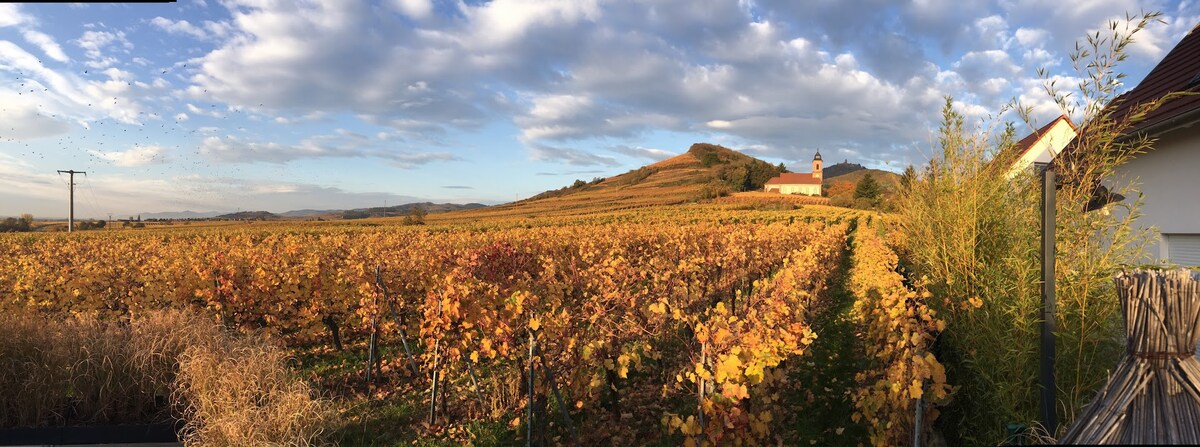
<point x="93" y="204"/>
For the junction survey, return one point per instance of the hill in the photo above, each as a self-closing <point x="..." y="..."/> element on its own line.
<point x="705" y="171"/>
<point x="841" y="169"/>
<point x="181" y="215"/>
<point x="400" y="210"/>
<point x="840" y="189"/>
<point x="307" y="213"/>
<point x="357" y="213"/>
<point x="249" y="215"/>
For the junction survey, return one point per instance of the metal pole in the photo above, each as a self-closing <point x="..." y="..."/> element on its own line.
<point x="71" y="187"/>
<point x="1049" y="403"/>
<point x="71" y="217"/>
<point x="918" y="419"/>
<point x="371" y="344"/>
<point x="529" y="407"/>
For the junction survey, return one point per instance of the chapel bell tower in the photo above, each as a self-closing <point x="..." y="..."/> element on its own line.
<point x="816" y="172"/>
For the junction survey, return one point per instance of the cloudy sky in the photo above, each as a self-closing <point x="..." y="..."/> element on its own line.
<point x="287" y="104"/>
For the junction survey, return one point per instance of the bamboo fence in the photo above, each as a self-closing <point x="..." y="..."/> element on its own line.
<point x="1153" y="396"/>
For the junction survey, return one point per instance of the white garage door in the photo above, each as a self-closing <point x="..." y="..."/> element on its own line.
<point x="1183" y="249"/>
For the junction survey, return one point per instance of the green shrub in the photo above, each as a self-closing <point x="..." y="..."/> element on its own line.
<point x="972" y="237"/>
<point x="714" y="190"/>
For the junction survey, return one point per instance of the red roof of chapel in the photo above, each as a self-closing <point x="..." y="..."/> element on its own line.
<point x="792" y="178"/>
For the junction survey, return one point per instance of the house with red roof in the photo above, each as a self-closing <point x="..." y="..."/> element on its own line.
<point x="1041" y="146"/>
<point x="1169" y="174"/>
<point x="798" y="183"/>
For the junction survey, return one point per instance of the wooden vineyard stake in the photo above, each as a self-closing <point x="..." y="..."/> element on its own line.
<point x="371" y="345"/>
<point x="474" y="381"/>
<point x="562" y="406"/>
<point x="529" y="406"/>
<point x="433" y="389"/>
<point x="700" y="387"/>
<point x="412" y="364"/>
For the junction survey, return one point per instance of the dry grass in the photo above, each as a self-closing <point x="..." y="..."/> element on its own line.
<point x="244" y="395"/>
<point x="60" y="370"/>
<point x="73" y="371"/>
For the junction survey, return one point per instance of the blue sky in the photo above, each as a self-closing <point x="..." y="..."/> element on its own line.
<point x="333" y="104"/>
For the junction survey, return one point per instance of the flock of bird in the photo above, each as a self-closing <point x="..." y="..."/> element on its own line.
<point x="96" y="140"/>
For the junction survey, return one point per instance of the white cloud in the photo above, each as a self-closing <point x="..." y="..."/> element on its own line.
<point x="21" y="119"/>
<point x="417" y="9"/>
<point x="644" y="152"/>
<point x="66" y="95"/>
<point x="11" y="15"/>
<point x="581" y="70"/>
<point x="993" y="31"/>
<point x="231" y="149"/>
<point x="563" y="117"/>
<point x="570" y="156"/>
<point x="182" y="27"/>
<point x="500" y="22"/>
<point x="135" y="157"/>
<point x="978" y="66"/>
<point x="181" y="117"/>
<point x="1032" y="37"/>
<point x="580" y="74"/>
<point x="46" y="43"/>
<point x="95" y="43"/>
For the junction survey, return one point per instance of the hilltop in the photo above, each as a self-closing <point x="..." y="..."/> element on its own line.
<point x="840" y="169"/>
<point x="705" y="171"/>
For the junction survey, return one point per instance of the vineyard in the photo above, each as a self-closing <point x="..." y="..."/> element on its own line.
<point x="679" y="327"/>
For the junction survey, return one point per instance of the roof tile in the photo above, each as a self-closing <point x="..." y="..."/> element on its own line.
<point x="793" y="178"/>
<point x="1173" y="74"/>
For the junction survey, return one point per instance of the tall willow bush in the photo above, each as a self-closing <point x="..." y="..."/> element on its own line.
<point x="972" y="237"/>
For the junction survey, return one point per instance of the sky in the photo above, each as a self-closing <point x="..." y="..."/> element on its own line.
<point x="277" y="105"/>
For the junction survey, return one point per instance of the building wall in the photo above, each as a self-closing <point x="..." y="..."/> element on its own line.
<point x="1169" y="179"/>
<point x="1045" y="149"/>
<point x="812" y="190"/>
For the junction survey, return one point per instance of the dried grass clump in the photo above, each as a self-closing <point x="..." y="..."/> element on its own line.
<point x="60" y="370"/>
<point x="73" y="371"/>
<point x="244" y="395"/>
<point x="159" y="338"/>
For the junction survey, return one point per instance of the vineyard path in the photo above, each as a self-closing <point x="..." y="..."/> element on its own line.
<point x="825" y="380"/>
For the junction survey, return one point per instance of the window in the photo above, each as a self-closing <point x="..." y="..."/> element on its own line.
<point x="1183" y="249"/>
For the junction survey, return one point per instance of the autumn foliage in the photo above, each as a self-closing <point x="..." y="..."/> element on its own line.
<point x="705" y="311"/>
<point x="899" y="330"/>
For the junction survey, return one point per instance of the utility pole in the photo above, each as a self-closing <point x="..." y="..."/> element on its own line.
<point x="71" y="219"/>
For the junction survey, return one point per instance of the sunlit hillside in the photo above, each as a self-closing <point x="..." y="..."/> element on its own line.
<point x="701" y="174"/>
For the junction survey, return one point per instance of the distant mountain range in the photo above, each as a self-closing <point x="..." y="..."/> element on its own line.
<point x="180" y="215"/>
<point x="307" y="212"/>
<point x="357" y="213"/>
